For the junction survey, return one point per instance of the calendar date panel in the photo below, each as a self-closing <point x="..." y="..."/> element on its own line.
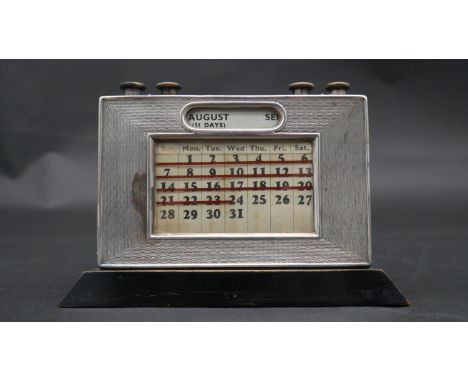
<point x="234" y="187"/>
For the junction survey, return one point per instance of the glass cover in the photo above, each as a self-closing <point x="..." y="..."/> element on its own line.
<point x="250" y="187"/>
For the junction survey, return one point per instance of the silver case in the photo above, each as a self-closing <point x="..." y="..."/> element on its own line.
<point x="342" y="197"/>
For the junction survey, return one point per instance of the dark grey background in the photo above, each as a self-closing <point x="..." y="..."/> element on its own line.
<point x="419" y="179"/>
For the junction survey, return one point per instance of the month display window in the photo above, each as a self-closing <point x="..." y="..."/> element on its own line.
<point x="234" y="187"/>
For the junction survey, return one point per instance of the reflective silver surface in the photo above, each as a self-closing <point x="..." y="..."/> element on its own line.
<point x="343" y="189"/>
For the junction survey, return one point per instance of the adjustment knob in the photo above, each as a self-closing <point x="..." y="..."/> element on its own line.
<point x="132" y="87"/>
<point x="338" y="87"/>
<point x="169" y="88"/>
<point x="301" y="87"/>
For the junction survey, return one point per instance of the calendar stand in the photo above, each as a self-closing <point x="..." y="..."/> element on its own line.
<point x="233" y="288"/>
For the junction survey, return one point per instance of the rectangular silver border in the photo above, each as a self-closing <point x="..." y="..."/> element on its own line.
<point x="314" y="137"/>
<point x="140" y="255"/>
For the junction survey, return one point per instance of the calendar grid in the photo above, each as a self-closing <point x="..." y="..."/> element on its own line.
<point x="224" y="199"/>
<point x="235" y="187"/>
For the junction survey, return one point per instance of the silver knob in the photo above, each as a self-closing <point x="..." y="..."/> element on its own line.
<point x="132" y="87"/>
<point x="301" y="87"/>
<point x="338" y="87"/>
<point x="169" y="88"/>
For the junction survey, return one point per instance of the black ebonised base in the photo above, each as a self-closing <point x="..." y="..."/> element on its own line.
<point x="233" y="288"/>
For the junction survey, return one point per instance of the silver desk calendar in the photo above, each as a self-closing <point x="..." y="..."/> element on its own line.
<point x="204" y="181"/>
<point x="233" y="201"/>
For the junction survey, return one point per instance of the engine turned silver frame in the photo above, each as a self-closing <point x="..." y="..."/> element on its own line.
<point x="341" y="121"/>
